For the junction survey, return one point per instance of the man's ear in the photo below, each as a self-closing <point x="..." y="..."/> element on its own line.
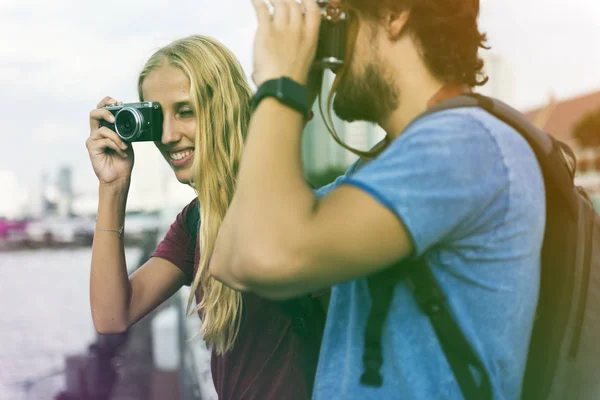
<point x="395" y="22"/>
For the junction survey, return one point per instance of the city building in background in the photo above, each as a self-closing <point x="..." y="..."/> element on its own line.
<point x="576" y="121"/>
<point x="59" y="211"/>
<point x="64" y="183"/>
<point x="501" y="80"/>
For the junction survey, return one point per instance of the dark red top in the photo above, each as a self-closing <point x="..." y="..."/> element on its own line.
<point x="269" y="360"/>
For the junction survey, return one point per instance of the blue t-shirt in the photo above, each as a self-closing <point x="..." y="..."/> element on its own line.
<point x="470" y="193"/>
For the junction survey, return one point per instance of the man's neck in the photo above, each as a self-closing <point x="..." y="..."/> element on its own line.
<point x="424" y="99"/>
<point x="415" y="97"/>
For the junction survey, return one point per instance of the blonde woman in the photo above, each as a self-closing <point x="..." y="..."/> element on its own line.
<point x="205" y="101"/>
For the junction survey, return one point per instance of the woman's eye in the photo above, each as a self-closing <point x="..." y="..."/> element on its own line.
<point x="186" y="113"/>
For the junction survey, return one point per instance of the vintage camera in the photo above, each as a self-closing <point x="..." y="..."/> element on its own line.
<point x="137" y="122"/>
<point x="331" y="48"/>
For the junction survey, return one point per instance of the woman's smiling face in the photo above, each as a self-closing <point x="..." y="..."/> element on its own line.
<point x="170" y="86"/>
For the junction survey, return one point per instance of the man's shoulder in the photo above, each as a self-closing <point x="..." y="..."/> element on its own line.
<point x="449" y="141"/>
<point x="510" y="145"/>
<point x="468" y="121"/>
<point x="466" y="135"/>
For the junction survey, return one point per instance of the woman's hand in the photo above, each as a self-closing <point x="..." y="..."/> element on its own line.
<point x="286" y="42"/>
<point x="112" y="158"/>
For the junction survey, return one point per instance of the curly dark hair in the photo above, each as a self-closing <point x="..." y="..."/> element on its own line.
<point x="447" y="32"/>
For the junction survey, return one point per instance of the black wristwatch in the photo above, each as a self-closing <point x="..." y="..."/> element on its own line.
<point x="286" y="91"/>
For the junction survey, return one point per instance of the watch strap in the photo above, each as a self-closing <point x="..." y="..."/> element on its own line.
<point x="287" y="91"/>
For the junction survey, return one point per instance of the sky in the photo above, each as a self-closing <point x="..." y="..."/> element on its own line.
<point x="59" y="58"/>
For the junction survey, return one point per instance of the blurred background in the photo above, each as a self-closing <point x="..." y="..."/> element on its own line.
<point x="59" y="58"/>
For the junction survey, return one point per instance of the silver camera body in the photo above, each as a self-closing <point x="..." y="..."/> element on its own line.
<point x="137" y="122"/>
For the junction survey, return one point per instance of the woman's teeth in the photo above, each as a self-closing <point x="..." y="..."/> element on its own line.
<point x="180" y="155"/>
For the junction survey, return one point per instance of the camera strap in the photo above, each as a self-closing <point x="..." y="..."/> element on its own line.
<point x="352" y="33"/>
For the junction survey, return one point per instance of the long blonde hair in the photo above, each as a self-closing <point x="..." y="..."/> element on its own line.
<point x="220" y="96"/>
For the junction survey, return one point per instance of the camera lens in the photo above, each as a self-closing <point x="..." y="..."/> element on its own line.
<point x="128" y="123"/>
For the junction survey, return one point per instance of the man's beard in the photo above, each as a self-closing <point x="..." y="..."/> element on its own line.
<point x="370" y="97"/>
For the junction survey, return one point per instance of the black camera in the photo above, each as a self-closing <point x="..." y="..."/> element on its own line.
<point x="331" y="48"/>
<point x="137" y="122"/>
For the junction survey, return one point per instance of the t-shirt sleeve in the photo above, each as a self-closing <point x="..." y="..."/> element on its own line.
<point x="178" y="245"/>
<point x="442" y="178"/>
<point x="325" y="190"/>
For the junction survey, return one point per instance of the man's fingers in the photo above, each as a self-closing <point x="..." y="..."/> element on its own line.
<point x="281" y="14"/>
<point x="312" y="16"/>
<point x="262" y="13"/>
<point x="296" y="14"/>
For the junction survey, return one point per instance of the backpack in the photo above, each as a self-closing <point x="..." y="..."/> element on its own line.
<point x="305" y="312"/>
<point x="564" y="353"/>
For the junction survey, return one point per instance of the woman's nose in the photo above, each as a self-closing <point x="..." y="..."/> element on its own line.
<point x="170" y="132"/>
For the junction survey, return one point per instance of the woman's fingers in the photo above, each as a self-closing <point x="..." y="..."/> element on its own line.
<point x="105" y="133"/>
<point x="100" y="113"/>
<point x="100" y="145"/>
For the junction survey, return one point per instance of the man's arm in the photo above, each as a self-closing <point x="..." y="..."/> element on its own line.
<point x="278" y="240"/>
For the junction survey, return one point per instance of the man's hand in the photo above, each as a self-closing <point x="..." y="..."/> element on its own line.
<point x="286" y="42"/>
